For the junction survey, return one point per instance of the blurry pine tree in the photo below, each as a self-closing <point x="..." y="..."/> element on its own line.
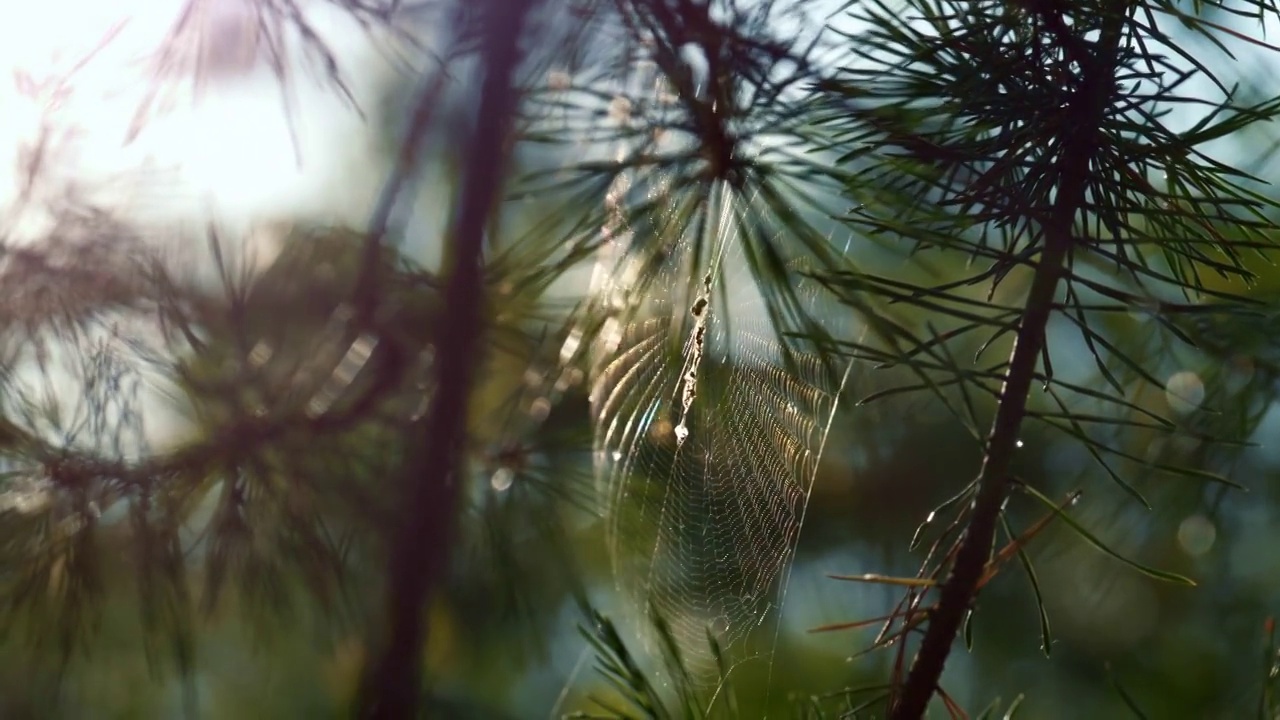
<point x="912" y="187"/>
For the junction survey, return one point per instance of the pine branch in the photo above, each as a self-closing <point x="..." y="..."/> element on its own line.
<point x="420" y="547"/>
<point x="958" y="592"/>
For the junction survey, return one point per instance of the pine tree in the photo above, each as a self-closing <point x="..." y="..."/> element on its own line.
<point x="776" y="202"/>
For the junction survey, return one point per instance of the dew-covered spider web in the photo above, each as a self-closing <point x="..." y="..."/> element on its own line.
<point x="708" y="429"/>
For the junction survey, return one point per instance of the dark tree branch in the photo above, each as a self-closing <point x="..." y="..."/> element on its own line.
<point x="1079" y="147"/>
<point x="421" y="544"/>
<point x="406" y="164"/>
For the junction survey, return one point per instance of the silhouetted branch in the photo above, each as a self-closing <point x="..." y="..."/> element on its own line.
<point x="431" y="484"/>
<point x="1080" y="146"/>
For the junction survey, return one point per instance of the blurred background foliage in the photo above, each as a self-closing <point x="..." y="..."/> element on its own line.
<point x="285" y="535"/>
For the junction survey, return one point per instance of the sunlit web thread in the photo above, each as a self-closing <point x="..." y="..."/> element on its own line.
<point x="706" y="442"/>
<point x="703" y="523"/>
<point x="544" y="386"/>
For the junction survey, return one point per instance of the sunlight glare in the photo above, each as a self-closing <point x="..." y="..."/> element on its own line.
<point x="78" y="72"/>
<point x="74" y="75"/>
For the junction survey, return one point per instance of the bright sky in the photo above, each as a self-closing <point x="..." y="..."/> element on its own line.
<point x="231" y="148"/>
<point x="226" y="154"/>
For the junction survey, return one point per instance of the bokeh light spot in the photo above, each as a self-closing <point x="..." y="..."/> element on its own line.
<point x="1184" y="391"/>
<point x="1196" y="535"/>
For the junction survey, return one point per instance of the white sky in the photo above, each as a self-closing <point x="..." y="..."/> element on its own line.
<point x="226" y="154"/>
<point x="231" y="147"/>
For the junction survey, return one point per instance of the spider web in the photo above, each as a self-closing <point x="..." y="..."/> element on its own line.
<point x="708" y="433"/>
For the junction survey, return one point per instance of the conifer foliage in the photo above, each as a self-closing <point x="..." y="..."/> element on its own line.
<point x="932" y="190"/>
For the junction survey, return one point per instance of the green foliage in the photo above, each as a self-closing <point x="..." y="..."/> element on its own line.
<point x="1024" y="141"/>
<point x="1004" y="229"/>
